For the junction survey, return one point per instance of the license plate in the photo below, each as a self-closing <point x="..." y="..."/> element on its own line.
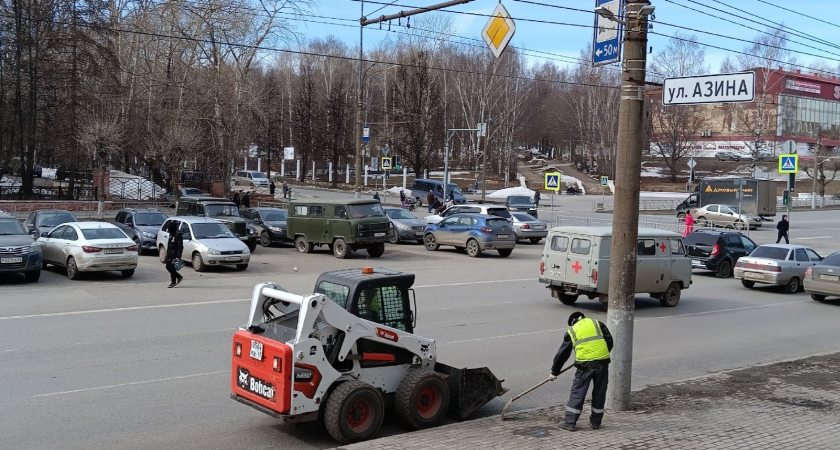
<point x="696" y="264"/>
<point x="378" y="234"/>
<point x="502" y="236"/>
<point x="111" y="251"/>
<point x="753" y="275"/>
<point x="419" y="234"/>
<point x="539" y="227"/>
<point x="11" y="260"/>
<point x="256" y="350"/>
<point x="233" y="258"/>
<point x="830" y="277"/>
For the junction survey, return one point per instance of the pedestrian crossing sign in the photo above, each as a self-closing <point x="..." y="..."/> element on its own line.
<point x="605" y="181"/>
<point x="552" y="182"/>
<point x="789" y="163"/>
<point x="386" y="163"/>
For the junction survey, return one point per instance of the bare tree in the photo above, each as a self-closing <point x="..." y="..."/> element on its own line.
<point x="674" y="132"/>
<point x="101" y="132"/>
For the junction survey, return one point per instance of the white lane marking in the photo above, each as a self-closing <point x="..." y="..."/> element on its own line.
<point x="475" y="282"/>
<point x="135" y="383"/>
<point x="644" y="319"/>
<point x="472" y="306"/>
<point x="809" y="238"/>
<point x="127" y="308"/>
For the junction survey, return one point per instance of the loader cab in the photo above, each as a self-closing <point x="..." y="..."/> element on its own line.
<point x="376" y="294"/>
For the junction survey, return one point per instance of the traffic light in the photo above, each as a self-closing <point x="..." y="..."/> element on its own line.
<point x="387" y="174"/>
<point x="397" y="162"/>
<point x="785" y="197"/>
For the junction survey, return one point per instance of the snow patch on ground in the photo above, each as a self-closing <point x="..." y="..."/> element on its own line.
<point x="395" y="191"/>
<point x="505" y="193"/>
<point x="440" y="173"/>
<point x="132" y="187"/>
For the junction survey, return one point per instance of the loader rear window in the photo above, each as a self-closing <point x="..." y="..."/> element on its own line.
<point x="334" y="292"/>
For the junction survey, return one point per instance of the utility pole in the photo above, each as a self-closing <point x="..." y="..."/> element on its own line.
<point x="482" y="141"/>
<point x="359" y="108"/>
<point x="625" y="230"/>
<point x="816" y="169"/>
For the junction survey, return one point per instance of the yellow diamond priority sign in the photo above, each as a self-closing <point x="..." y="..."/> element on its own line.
<point x="498" y="31"/>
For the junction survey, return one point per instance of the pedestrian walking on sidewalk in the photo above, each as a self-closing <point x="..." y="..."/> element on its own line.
<point x="537" y="198"/>
<point x="430" y="200"/>
<point x="285" y="189"/>
<point x="174" y="249"/>
<point x="402" y="198"/>
<point x="783" y="226"/>
<point x="246" y="200"/>
<point x="592" y="343"/>
<point x="271" y="187"/>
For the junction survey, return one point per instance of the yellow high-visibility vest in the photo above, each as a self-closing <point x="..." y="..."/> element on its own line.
<point x="588" y="341"/>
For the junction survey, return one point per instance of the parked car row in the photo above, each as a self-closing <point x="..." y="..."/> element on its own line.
<point x="794" y="267"/>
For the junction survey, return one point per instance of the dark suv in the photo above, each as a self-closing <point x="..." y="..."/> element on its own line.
<point x="717" y="251"/>
<point x="18" y="252"/>
<point x="224" y="211"/>
<point x="141" y="225"/>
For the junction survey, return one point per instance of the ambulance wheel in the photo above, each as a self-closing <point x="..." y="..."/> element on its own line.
<point x="567" y="299"/>
<point x="422" y="399"/>
<point x="354" y="412"/>
<point x="671" y="296"/>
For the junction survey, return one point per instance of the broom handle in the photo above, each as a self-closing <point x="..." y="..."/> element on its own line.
<point x="542" y="383"/>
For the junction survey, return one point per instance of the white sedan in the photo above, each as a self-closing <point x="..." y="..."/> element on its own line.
<point x="89" y="247"/>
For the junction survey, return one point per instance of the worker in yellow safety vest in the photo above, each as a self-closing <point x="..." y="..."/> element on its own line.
<point x="592" y="343"/>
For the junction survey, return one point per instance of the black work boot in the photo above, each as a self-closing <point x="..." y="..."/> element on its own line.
<point x="595" y="426"/>
<point x="567" y="426"/>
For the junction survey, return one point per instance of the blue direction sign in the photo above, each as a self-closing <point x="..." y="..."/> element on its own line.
<point x="606" y="43"/>
<point x="366" y="134"/>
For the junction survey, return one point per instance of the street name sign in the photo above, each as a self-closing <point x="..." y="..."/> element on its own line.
<point x="498" y="31"/>
<point x="788" y="163"/>
<point x="386" y="163"/>
<point x="606" y="42"/>
<point x="552" y="182"/>
<point x="722" y="88"/>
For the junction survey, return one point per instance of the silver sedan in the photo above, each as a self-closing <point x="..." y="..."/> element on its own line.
<point x="823" y="280"/>
<point x="781" y="264"/>
<point x="89" y="247"/>
<point x="526" y="226"/>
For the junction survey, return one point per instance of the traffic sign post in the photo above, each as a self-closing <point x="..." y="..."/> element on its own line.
<point x="552" y="183"/>
<point x="789" y="164"/>
<point x="691" y="165"/>
<point x="498" y="31"/>
<point x="605" y="181"/>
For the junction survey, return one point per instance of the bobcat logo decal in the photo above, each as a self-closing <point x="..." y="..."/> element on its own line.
<point x="243" y="378"/>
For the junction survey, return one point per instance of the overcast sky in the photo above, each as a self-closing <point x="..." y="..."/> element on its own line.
<point x="570" y="40"/>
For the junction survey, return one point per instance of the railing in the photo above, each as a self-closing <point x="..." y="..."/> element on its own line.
<point x="644" y="205"/>
<point x="665" y="223"/>
<point x="805" y="202"/>
<point x="14" y="192"/>
<point x="134" y="189"/>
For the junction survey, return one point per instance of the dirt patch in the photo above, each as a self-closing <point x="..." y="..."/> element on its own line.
<point x="787" y="383"/>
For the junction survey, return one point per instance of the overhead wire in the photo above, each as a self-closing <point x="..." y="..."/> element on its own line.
<point x="306" y="53"/>
<point x="798" y="13"/>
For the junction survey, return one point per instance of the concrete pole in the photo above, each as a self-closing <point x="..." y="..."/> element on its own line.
<point x="445" y="164"/>
<point x="359" y="108"/>
<point x="245" y="159"/>
<point x="331" y="174"/>
<point x="815" y="170"/>
<point x="622" y="279"/>
<point x="405" y="176"/>
<point x="313" y="171"/>
<point x="366" y="176"/>
<point x="298" y="175"/>
<point x="347" y="174"/>
<point x="259" y="164"/>
<point x="482" y="140"/>
<point x="283" y="169"/>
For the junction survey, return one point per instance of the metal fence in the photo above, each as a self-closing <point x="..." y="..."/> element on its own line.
<point x="87" y="209"/>
<point x="665" y="223"/>
<point x="81" y="192"/>
<point x="644" y="205"/>
<point x="133" y="188"/>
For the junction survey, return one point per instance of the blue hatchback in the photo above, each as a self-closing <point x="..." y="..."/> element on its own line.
<point x="474" y="232"/>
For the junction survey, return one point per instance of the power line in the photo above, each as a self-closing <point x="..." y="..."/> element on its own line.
<point x="783" y="29"/>
<point x="593" y="26"/>
<point x="305" y="53"/>
<point x="798" y="13"/>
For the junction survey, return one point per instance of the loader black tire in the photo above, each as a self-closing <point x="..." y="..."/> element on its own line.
<point x="354" y="412"/>
<point x="422" y="399"/>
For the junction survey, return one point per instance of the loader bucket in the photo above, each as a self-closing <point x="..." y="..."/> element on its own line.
<point x="470" y="389"/>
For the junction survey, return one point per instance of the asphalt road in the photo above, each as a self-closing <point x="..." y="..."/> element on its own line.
<point x="129" y="364"/>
